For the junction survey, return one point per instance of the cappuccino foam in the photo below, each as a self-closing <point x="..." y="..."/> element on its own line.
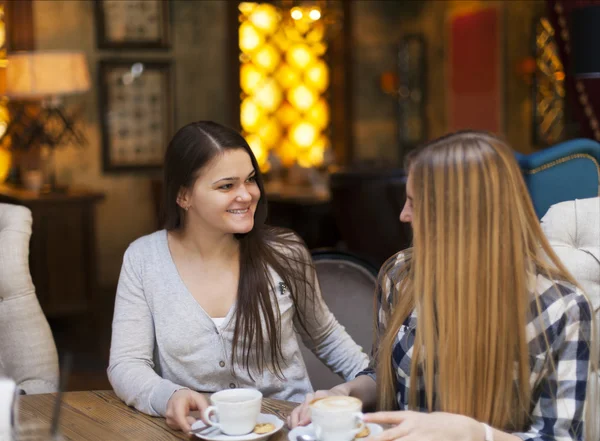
<point x="337" y="403"/>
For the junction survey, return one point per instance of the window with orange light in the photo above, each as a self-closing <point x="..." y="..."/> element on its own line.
<point x="284" y="79"/>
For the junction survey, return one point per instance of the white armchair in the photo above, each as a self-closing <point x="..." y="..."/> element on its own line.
<point x="27" y="350"/>
<point x="573" y="229"/>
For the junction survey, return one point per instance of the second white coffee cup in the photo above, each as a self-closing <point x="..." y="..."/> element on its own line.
<point x="337" y="418"/>
<point x="236" y="410"/>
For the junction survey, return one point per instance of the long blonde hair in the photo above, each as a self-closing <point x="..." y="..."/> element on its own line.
<point x="476" y="239"/>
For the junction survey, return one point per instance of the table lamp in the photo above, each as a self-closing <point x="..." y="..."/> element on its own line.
<point x="36" y="84"/>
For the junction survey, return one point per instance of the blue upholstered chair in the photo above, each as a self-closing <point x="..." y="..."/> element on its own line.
<point x="564" y="172"/>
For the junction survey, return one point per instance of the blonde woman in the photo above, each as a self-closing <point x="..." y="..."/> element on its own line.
<point x="478" y="337"/>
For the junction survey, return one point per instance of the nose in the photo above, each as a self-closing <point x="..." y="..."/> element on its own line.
<point x="405" y="215"/>
<point x="243" y="194"/>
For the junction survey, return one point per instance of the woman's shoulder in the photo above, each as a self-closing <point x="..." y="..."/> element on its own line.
<point x="559" y="304"/>
<point x="147" y="244"/>
<point x="393" y="268"/>
<point x="559" y="295"/>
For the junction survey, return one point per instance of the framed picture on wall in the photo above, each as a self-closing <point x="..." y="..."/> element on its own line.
<point x="412" y="76"/>
<point x="132" y="24"/>
<point x="136" y="113"/>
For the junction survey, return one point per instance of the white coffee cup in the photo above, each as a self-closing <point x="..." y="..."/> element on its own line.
<point x="236" y="410"/>
<point x="337" y="418"/>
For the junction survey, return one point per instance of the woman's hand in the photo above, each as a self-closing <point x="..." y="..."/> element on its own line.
<point x="416" y="426"/>
<point x="300" y="416"/>
<point x="179" y="406"/>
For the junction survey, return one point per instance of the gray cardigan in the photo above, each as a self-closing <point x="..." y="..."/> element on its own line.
<point x="27" y="350"/>
<point x="163" y="340"/>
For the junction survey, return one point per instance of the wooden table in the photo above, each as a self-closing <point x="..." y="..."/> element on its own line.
<point x="101" y="416"/>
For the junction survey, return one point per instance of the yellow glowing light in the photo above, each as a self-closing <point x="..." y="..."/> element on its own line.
<point x="246" y="8"/>
<point x="303" y="134"/>
<point x="319" y="49"/>
<point x="316" y="34"/>
<point x="319" y="114"/>
<point x="265" y="18"/>
<point x="303" y="26"/>
<point x="267" y="58"/>
<point x="250" y="78"/>
<point x="5" y="161"/>
<point x="288" y="153"/>
<point x="259" y="150"/>
<point x="281" y="40"/>
<point x="268" y="95"/>
<point x="283" y="78"/>
<point x="249" y="115"/>
<point x="296" y="13"/>
<point x="315" y="155"/>
<point x="287" y="115"/>
<point x="4" y="117"/>
<point x="250" y="38"/>
<point x="292" y="33"/>
<point x="270" y="133"/>
<point x="286" y="76"/>
<point x="300" y="56"/>
<point x="317" y="76"/>
<point x="301" y="97"/>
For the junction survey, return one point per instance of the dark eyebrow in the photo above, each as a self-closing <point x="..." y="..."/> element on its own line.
<point x="253" y="172"/>
<point x="409" y="198"/>
<point x="226" y="179"/>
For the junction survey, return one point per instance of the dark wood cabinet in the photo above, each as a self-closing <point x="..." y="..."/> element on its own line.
<point x="63" y="250"/>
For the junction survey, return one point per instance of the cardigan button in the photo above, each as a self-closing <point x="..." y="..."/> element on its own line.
<point x="232" y="385"/>
<point x="222" y="363"/>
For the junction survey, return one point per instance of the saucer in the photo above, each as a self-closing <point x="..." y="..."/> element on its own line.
<point x="374" y="429"/>
<point x="219" y="436"/>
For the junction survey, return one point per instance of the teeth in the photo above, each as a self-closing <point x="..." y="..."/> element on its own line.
<point x="238" y="211"/>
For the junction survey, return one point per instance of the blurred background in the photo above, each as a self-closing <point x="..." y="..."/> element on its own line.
<point x="331" y="96"/>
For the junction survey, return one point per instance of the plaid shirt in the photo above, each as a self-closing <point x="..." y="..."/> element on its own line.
<point x="559" y="400"/>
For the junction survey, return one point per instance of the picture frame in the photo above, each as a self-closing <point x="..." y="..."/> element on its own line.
<point x="412" y="84"/>
<point x="132" y="24"/>
<point x="136" y="113"/>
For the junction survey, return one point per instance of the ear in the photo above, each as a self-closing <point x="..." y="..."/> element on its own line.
<point x="183" y="198"/>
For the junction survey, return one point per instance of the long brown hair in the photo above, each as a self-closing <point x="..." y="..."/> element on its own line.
<point x="257" y="334"/>
<point x="476" y="241"/>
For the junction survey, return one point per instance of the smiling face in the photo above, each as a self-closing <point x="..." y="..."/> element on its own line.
<point x="224" y="197"/>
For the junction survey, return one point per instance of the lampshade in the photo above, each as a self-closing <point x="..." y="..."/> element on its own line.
<point x="35" y="75"/>
<point x="585" y="35"/>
